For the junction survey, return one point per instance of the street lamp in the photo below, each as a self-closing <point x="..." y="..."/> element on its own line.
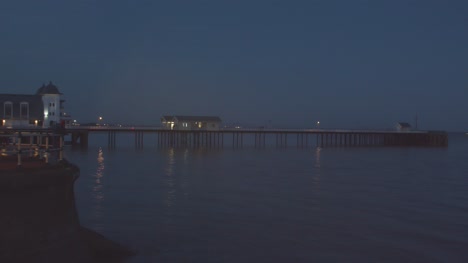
<point x="100" y="120"/>
<point x="318" y="124"/>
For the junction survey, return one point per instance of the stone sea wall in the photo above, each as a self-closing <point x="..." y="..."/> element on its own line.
<point x="39" y="221"/>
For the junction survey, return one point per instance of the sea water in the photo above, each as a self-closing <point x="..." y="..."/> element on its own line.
<point x="335" y="204"/>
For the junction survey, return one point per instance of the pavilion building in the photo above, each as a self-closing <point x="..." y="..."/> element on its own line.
<point x="43" y="109"/>
<point x="208" y="123"/>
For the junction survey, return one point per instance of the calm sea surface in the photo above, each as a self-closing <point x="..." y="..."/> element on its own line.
<point x="277" y="205"/>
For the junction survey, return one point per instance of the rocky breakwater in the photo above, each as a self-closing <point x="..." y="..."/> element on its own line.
<point x="39" y="221"/>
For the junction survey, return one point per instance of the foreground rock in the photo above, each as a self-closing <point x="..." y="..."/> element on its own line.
<point x="39" y="221"/>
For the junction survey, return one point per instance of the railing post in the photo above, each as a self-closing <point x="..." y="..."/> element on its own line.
<point x="18" y="149"/>
<point x="47" y="149"/>
<point x="61" y="148"/>
<point x="30" y="145"/>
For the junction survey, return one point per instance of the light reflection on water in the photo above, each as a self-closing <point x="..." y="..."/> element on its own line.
<point x="169" y="179"/>
<point x="317" y="171"/>
<point x="317" y="157"/>
<point x="98" y="190"/>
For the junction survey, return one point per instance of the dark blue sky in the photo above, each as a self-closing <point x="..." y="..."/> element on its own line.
<point x="349" y="64"/>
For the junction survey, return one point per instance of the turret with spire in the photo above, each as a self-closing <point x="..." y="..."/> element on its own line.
<point x="48" y="89"/>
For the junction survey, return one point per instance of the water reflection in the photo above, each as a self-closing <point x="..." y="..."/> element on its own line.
<point x="169" y="179"/>
<point x="100" y="168"/>
<point x="317" y="165"/>
<point x="184" y="185"/>
<point x="186" y="154"/>
<point x="97" y="189"/>
<point x="317" y="157"/>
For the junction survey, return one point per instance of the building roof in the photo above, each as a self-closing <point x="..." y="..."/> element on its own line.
<point x="191" y="118"/>
<point x="36" y="108"/>
<point x="49" y="89"/>
<point x="404" y="124"/>
<point x="167" y="118"/>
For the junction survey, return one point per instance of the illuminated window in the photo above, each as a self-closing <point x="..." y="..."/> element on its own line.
<point x="24" y="111"/>
<point x="8" y="110"/>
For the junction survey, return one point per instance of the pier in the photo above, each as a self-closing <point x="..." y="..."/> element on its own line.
<point x="44" y="141"/>
<point x="280" y="138"/>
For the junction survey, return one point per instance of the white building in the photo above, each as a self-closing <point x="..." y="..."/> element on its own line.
<point x="43" y="109"/>
<point x="207" y="123"/>
<point x="403" y="126"/>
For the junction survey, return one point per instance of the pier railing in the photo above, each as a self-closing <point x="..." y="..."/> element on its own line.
<point x="44" y="146"/>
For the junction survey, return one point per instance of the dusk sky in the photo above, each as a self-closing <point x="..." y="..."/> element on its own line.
<point x="348" y="64"/>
